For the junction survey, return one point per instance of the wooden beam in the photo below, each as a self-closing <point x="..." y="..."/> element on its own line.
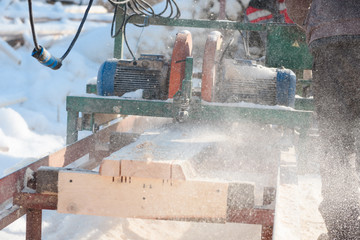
<point x="142" y="169"/>
<point x="159" y="153"/>
<point x="110" y="168"/>
<point x="93" y="194"/>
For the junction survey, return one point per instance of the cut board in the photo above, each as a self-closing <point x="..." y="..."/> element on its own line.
<point x="227" y="152"/>
<point x="162" y="153"/>
<point x="92" y="194"/>
<point x="177" y="171"/>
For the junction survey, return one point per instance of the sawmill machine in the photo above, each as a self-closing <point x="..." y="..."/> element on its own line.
<point x="222" y="80"/>
<point x="231" y="91"/>
<point x="167" y="88"/>
<point x="133" y="183"/>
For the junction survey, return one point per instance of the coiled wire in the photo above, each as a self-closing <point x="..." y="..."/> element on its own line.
<point x="140" y="8"/>
<point x="32" y="25"/>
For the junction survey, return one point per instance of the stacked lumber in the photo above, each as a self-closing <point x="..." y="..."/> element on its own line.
<point x="163" y="175"/>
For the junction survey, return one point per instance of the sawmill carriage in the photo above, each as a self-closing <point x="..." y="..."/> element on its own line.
<point x="160" y="156"/>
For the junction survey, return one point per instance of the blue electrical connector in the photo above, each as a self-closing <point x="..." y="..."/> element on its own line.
<point x="46" y="59"/>
<point x="40" y="53"/>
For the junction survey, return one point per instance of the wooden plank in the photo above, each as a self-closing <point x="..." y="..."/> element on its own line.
<point x="110" y="168"/>
<point x="162" y="152"/>
<point x="175" y="142"/>
<point x="141" y="169"/>
<point x="178" y="171"/>
<point x="92" y="194"/>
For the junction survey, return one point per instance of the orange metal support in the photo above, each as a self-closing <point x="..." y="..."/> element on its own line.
<point x="222" y="11"/>
<point x="210" y="61"/>
<point x="182" y="50"/>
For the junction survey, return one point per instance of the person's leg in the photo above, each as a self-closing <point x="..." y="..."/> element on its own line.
<point x="336" y="95"/>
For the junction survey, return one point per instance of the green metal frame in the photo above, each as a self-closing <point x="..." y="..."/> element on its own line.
<point x="286" y="46"/>
<point x="286" y="43"/>
<point x="168" y="109"/>
<point x="183" y="104"/>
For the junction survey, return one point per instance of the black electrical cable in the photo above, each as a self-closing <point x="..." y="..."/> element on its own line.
<point x="166" y="7"/>
<point x="178" y="12"/>
<point x="144" y="5"/>
<point x="140" y="8"/>
<point x="32" y="25"/>
<point x="41" y="54"/>
<point x="78" y="31"/>
<point x="113" y="35"/>
<point x="125" y="38"/>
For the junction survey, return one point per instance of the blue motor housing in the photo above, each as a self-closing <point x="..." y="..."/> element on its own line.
<point x="285" y="87"/>
<point x="105" y="78"/>
<point x="149" y="73"/>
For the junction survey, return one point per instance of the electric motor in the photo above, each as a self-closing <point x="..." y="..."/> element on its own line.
<point x="246" y="81"/>
<point x="149" y="73"/>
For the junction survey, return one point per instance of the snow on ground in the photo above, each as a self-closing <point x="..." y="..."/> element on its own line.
<point x="35" y="124"/>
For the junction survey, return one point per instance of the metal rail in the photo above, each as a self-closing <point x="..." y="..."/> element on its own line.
<point x="205" y="112"/>
<point x="286" y="43"/>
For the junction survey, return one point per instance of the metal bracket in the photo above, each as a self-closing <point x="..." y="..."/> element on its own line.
<point x="182" y="98"/>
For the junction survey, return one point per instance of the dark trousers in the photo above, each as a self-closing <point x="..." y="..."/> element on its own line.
<point x="336" y="76"/>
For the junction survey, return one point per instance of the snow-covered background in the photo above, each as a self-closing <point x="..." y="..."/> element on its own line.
<point x="33" y="114"/>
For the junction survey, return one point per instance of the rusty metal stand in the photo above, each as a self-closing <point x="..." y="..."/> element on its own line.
<point x="33" y="224"/>
<point x="34" y="203"/>
<point x="263" y="217"/>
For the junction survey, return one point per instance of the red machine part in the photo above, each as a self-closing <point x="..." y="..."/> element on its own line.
<point x="209" y="71"/>
<point x="222" y="10"/>
<point x="182" y="49"/>
<point x="256" y="15"/>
